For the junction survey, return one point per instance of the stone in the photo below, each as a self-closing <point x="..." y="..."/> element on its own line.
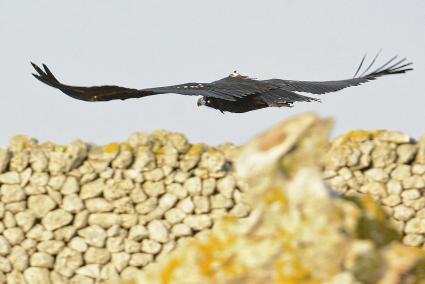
<point x="208" y="186"/>
<point x="25" y="219"/>
<point x="97" y="255"/>
<point x="80" y="279"/>
<point x="406" y="153"/>
<point x="413" y="182"/>
<point x="39" y="233"/>
<point x="36" y="275"/>
<point x="14" y="235"/>
<point x="115" y="244"/>
<point x="109" y="273"/>
<point x="154" y="175"/>
<point x="181" y="176"/>
<point x="137" y="233"/>
<point x="56" y="182"/>
<point x="377" y="174"/>
<point x="128" y="220"/>
<point x="150" y="246"/>
<point x="92" y="189"/>
<point x="186" y="205"/>
<point x="120" y="260"/>
<point x="418" y="169"/>
<point x="137" y="195"/>
<point x="394" y="187"/>
<point x="131" y="246"/>
<point x="39" y="179"/>
<point x="416" y="204"/>
<point x="65" y="233"/>
<point x="90" y="270"/>
<point x="374" y="188"/>
<point x="414" y="240"/>
<point x="19" y="258"/>
<point x="157" y="231"/>
<point x="226" y="186"/>
<point x="193" y="186"/>
<point x="124" y="158"/>
<point x="129" y="273"/>
<point x="174" y="215"/>
<point x="104" y="220"/>
<point x="154" y="189"/>
<point x="19" y="161"/>
<point x="55" y="195"/>
<point x="123" y="205"/>
<point x="202" y="204"/>
<point x="181" y="230"/>
<point x="140" y="259"/>
<point x="24" y="177"/>
<point x="401" y="172"/>
<point x="40" y="205"/>
<point x="81" y="219"/>
<point x="415" y="226"/>
<point x="218" y="201"/>
<point x="198" y="222"/>
<point x="93" y="235"/>
<point x="392" y="200"/>
<point x="51" y="247"/>
<point x="9" y="220"/>
<point x="41" y="259"/>
<point x="98" y="205"/>
<point x="5" y="265"/>
<point x="15" y="277"/>
<point x="410" y="194"/>
<point x="70" y="186"/>
<point x="212" y="160"/>
<point x="177" y="189"/>
<point x="167" y="201"/>
<point x="11" y="193"/>
<point x="29" y="245"/>
<point x="72" y="203"/>
<point x="147" y="206"/>
<point x="10" y="178"/>
<point x="56" y="219"/>
<point x="240" y="210"/>
<point x="57" y="278"/>
<point x="4" y="159"/>
<point x="67" y="261"/>
<point x="78" y="244"/>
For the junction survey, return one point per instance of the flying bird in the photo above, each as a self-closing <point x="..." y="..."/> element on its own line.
<point x="234" y="93"/>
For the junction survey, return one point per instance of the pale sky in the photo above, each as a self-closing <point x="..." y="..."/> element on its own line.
<point x="142" y="44"/>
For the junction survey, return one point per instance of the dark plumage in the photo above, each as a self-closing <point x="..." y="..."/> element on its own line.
<point x="235" y="93"/>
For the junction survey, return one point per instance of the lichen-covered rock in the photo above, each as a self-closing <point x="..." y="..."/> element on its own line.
<point x="299" y="231"/>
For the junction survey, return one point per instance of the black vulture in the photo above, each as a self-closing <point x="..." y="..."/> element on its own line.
<point x="234" y="93"/>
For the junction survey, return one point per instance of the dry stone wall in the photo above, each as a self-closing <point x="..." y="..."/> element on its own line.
<point x="82" y="213"/>
<point x="390" y="167"/>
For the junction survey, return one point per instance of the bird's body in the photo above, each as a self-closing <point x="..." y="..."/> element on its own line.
<point x="234" y="93"/>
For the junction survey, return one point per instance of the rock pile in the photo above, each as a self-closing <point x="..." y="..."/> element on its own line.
<point x="83" y="214"/>
<point x="388" y="166"/>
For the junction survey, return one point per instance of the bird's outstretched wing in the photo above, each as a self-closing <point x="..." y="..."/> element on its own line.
<point x="91" y="94"/>
<point x="393" y="66"/>
<point x="223" y="89"/>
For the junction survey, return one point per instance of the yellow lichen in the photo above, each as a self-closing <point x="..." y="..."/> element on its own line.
<point x="111" y="148"/>
<point x="172" y="266"/>
<point x="196" y="150"/>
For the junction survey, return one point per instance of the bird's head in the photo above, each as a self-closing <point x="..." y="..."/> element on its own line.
<point x="203" y="101"/>
<point x="234" y="74"/>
